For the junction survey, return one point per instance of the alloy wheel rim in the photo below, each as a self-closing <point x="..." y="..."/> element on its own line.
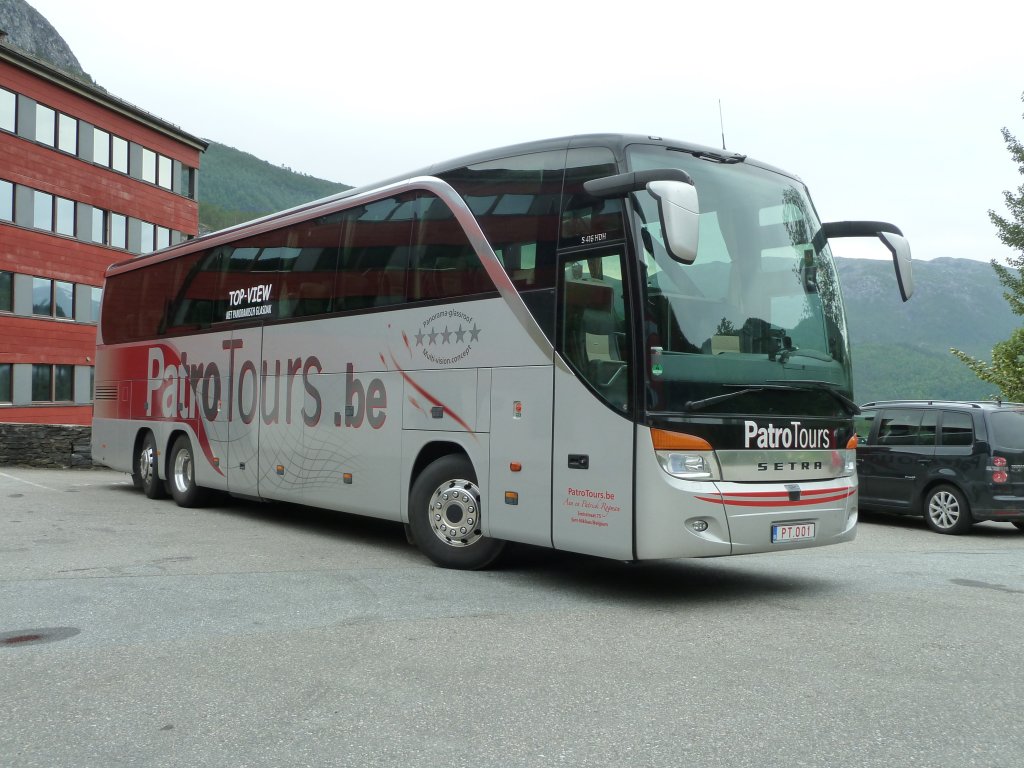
<point x="183" y="471"/>
<point x="944" y="510"/>
<point x="146" y="464"/>
<point x="454" y="513"/>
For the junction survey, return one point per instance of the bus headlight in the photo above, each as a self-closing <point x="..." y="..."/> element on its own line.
<point x="685" y="456"/>
<point x="689" y="466"/>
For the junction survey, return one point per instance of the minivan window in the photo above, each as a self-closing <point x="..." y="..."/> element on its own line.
<point x="862" y="423"/>
<point x="1007" y="429"/>
<point x="901" y="428"/>
<point x="957" y="428"/>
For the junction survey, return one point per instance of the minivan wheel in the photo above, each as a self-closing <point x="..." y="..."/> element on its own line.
<point x="946" y="510"/>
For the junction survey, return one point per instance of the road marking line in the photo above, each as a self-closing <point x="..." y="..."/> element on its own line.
<point x="27" y="482"/>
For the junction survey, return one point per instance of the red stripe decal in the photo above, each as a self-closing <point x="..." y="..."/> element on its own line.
<point x="738" y="500"/>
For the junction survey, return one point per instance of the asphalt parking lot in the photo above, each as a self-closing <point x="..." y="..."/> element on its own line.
<point x="135" y="632"/>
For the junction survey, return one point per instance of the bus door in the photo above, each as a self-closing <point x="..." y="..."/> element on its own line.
<point x="592" y="461"/>
<point x="245" y="356"/>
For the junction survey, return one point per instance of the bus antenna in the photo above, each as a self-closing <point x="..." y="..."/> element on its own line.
<point x="721" y="122"/>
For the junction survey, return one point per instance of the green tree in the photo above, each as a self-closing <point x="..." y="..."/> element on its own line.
<point x="1006" y="370"/>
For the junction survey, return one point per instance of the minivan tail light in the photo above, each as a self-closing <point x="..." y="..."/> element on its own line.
<point x="997" y="466"/>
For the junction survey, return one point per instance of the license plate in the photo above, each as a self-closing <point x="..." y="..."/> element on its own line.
<point x="792" y="532"/>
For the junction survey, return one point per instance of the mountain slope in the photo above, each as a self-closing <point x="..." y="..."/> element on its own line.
<point x="902" y="350"/>
<point x="29" y="30"/>
<point x="235" y="186"/>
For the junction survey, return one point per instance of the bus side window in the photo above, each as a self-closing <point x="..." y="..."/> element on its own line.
<point x="444" y="264"/>
<point x="306" y="267"/>
<point x="374" y="255"/>
<point x="515" y="201"/>
<point x="193" y="307"/>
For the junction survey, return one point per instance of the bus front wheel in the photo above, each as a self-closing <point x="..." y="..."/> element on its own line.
<point x="444" y="515"/>
<point x="182" y="475"/>
<point x="145" y="475"/>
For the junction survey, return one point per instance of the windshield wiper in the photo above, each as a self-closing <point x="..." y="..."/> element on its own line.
<point x="780" y="386"/>
<point x="823" y="386"/>
<point x="699" y="405"/>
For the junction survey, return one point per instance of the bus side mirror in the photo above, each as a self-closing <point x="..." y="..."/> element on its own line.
<point x="891" y="238"/>
<point x="679" y="211"/>
<point x="676" y="196"/>
<point x="900" y="250"/>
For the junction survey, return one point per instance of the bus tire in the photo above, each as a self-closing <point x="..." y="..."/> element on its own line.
<point x="145" y="474"/>
<point x="181" y="475"/>
<point x="444" y="516"/>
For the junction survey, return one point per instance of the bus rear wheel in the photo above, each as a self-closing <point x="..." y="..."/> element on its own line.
<point x="182" y="475"/>
<point x="444" y="516"/>
<point x="144" y="475"/>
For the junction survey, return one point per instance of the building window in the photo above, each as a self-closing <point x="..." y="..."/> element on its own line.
<point x="63" y="299"/>
<point x="188" y="181"/>
<point x="147" y="230"/>
<point x="149" y="165"/>
<point x="67" y="134"/>
<point x="42" y="296"/>
<point x="164" y="171"/>
<point x="100" y="147"/>
<point x="6" y="201"/>
<point x="42" y="210"/>
<point x="53" y="383"/>
<point x="8" y="110"/>
<point x="46" y="122"/>
<point x="118" y="230"/>
<point x="63" y="383"/>
<point x="42" y="383"/>
<point x="99" y="226"/>
<point x="163" y="237"/>
<point x="6" y="383"/>
<point x="6" y="291"/>
<point x="95" y="296"/>
<point x="119" y="154"/>
<point x="65" y="224"/>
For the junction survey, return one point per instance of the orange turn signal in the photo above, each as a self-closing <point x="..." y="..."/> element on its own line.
<point x="678" y="441"/>
<point x="851" y="443"/>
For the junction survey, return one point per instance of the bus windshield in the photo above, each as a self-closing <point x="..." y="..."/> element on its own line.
<point x="755" y="324"/>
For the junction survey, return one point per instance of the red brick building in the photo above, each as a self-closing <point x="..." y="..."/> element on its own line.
<point x="85" y="180"/>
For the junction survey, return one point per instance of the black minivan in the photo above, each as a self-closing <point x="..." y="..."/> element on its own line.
<point x="956" y="463"/>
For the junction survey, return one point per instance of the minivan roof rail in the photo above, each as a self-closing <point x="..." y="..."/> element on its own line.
<point x="969" y="403"/>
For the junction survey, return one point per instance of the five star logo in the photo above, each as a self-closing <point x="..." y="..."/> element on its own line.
<point x="446" y="331"/>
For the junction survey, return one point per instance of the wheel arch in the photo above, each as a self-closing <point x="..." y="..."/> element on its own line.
<point x="932" y="484"/>
<point x="427" y="454"/>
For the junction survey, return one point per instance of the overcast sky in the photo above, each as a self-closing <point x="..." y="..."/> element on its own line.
<point x="887" y="110"/>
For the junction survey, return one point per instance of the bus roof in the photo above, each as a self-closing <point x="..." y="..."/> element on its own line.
<point x="616" y="142"/>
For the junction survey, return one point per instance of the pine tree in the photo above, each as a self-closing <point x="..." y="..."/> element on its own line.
<point x="1006" y="370"/>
